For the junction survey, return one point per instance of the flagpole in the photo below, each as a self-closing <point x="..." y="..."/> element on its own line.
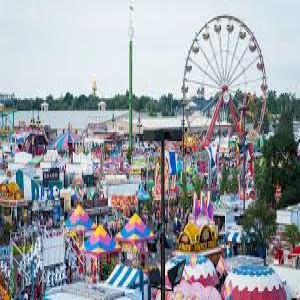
<point x="131" y="34"/>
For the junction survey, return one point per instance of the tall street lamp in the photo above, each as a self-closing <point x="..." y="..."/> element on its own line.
<point x="162" y="135"/>
<point x="244" y="108"/>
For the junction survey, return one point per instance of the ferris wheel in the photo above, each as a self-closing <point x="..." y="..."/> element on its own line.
<point x="225" y="63"/>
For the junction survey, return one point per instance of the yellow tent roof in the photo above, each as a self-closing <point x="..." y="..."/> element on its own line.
<point x="13" y="187"/>
<point x="192" y="230"/>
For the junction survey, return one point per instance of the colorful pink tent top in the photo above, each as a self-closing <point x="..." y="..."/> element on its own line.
<point x="79" y="220"/>
<point x="135" y="231"/>
<point x="100" y="242"/>
<point x="253" y="282"/>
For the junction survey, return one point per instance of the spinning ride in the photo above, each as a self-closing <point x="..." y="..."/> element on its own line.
<point x="225" y="64"/>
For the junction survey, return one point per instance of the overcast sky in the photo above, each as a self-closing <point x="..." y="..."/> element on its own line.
<point x="55" y="46"/>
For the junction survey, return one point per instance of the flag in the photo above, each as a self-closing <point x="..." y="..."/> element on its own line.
<point x="172" y="159"/>
<point x="202" y="203"/>
<point x="195" y="200"/>
<point x="205" y="204"/>
<point x="208" y="198"/>
<point x="210" y="211"/>
<point x="221" y="265"/>
<point x="211" y="157"/>
<point x="228" y="291"/>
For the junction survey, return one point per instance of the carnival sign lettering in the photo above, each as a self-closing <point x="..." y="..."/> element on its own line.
<point x="207" y="239"/>
<point x="51" y="175"/>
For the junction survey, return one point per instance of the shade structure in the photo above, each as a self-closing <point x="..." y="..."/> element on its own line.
<point x="253" y="282"/>
<point x="100" y="243"/>
<point x="79" y="220"/>
<point x="198" y="268"/>
<point x="135" y="231"/>
<point x="63" y="141"/>
<point x="142" y="194"/>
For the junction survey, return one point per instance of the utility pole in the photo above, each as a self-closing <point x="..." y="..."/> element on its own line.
<point x="243" y="109"/>
<point x="131" y="33"/>
<point x="162" y="217"/>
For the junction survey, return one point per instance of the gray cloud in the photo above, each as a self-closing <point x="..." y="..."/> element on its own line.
<point x="54" y="46"/>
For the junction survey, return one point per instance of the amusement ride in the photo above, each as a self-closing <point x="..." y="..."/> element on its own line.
<point x="225" y="64"/>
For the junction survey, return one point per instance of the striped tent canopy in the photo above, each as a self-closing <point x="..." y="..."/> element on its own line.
<point x="124" y="277"/>
<point x="100" y="242"/>
<point x="135" y="231"/>
<point x="79" y="220"/>
<point x="63" y="141"/>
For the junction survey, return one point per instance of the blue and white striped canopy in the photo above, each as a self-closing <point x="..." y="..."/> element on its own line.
<point x="123" y="276"/>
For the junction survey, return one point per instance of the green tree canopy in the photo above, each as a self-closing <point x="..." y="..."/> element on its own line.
<point x="279" y="165"/>
<point x="259" y="223"/>
<point x="184" y="197"/>
<point x="291" y="234"/>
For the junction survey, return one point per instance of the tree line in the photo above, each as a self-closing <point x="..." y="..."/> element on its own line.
<point x="165" y="105"/>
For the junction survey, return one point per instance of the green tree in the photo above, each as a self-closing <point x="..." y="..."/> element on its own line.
<point x="259" y="224"/>
<point x="280" y="165"/>
<point x="129" y="154"/>
<point x="198" y="185"/>
<point x="291" y="234"/>
<point x="5" y="229"/>
<point x="184" y="198"/>
<point x="234" y="181"/>
<point x="224" y="183"/>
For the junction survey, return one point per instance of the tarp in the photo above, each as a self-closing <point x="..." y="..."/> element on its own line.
<point x="79" y="220"/>
<point x="135" y="231"/>
<point x="100" y="242"/>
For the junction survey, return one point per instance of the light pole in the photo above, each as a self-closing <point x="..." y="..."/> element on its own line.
<point x="131" y="33"/>
<point x="162" y="135"/>
<point x="139" y="125"/>
<point x="243" y="108"/>
<point x="162" y="215"/>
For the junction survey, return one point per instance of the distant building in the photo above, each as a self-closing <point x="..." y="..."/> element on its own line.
<point x="44" y="106"/>
<point x="102" y="106"/>
<point x="200" y="104"/>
